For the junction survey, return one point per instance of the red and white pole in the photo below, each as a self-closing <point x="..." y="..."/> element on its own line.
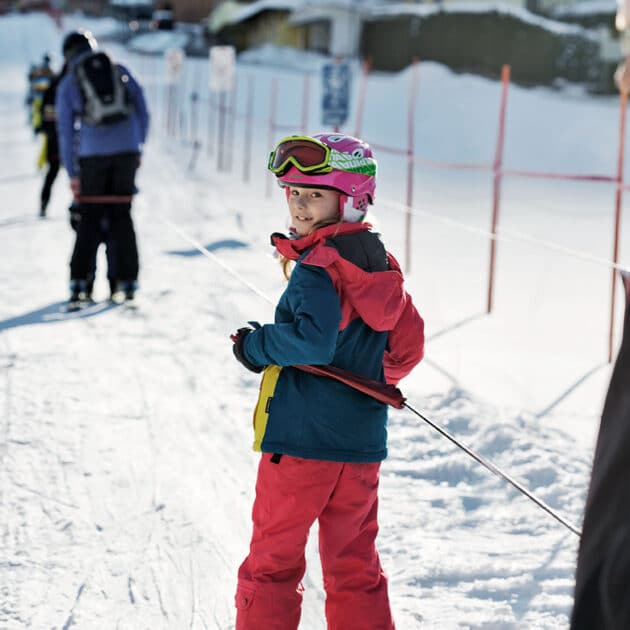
<point x="306" y="89"/>
<point x="623" y="103"/>
<point x="413" y="90"/>
<point x="273" y="102"/>
<point x="358" y="123"/>
<point x="249" y="124"/>
<point x="496" y="188"/>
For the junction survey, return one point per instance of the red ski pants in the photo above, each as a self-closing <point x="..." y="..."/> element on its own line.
<point x="290" y="496"/>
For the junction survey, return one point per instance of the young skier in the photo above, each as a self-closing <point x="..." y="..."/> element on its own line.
<point x="322" y="441"/>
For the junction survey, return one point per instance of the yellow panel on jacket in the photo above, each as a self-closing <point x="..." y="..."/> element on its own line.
<point x="261" y="412"/>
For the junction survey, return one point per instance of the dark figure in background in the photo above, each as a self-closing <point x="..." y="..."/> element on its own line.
<point x="36" y="75"/>
<point x="102" y="123"/>
<point x="45" y="122"/>
<point x="602" y="580"/>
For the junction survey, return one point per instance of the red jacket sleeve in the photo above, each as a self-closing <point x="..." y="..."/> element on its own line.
<point x="405" y="344"/>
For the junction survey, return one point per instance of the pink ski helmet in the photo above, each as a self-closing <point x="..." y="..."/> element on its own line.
<point x="329" y="160"/>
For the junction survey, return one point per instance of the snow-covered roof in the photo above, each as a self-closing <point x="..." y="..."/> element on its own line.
<point x="131" y="3"/>
<point x="588" y="7"/>
<point x="423" y="10"/>
<point x="231" y="12"/>
<point x="158" y="41"/>
<point x="326" y="11"/>
<point x="223" y="15"/>
<point x="275" y="56"/>
<point x="266" y="5"/>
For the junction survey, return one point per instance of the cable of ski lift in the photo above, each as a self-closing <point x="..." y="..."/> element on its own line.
<point x="508" y="236"/>
<point x="387" y="394"/>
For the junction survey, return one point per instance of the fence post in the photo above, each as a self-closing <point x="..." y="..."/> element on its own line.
<point x="305" y="100"/>
<point x="249" y="116"/>
<point x="272" y="127"/>
<point x="623" y="103"/>
<point x="367" y="64"/>
<point x="194" y="109"/>
<point x="496" y="185"/>
<point x="231" y="122"/>
<point x="180" y="107"/>
<point x="171" y="116"/>
<point x="210" y="124"/>
<point x="410" y="161"/>
<point x="221" y="132"/>
<point x="194" y="101"/>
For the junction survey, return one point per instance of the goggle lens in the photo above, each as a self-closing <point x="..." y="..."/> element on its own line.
<point x="304" y="154"/>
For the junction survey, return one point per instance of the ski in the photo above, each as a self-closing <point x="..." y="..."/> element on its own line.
<point x="121" y="299"/>
<point x="75" y="305"/>
<point x="81" y="308"/>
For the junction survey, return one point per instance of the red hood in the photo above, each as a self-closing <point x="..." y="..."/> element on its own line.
<point x="378" y="298"/>
<point x="293" y="248"/>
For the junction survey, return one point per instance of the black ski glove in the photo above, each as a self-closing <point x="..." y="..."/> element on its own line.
<point x="238" y="338"/>
<point x="75" y="216"/>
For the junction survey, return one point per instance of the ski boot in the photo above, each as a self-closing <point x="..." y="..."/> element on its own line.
<point x="116" y="294"/>
<point x="129" y="293"/>
<point x="80" y="295"/>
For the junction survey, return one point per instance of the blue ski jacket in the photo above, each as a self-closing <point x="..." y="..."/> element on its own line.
<point x="345" y="306"/>
<point x="79" y="139"/>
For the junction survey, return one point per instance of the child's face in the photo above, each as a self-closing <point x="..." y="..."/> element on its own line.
<point x="310" y="207"/>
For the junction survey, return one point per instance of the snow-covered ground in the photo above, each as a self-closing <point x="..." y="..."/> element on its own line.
<point x="126" y="475"/>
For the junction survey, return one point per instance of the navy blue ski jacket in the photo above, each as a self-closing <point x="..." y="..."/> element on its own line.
<point x="345" y="306"/>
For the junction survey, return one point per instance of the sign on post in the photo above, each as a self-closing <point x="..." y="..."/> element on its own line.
<point x="335" y="93"/>
<point x="174" y="58"/>
<point x="222" y="79"/>
<point x="222" y="68"/>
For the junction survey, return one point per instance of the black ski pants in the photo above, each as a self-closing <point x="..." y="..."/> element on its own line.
<point x="52" y="157"/>
<point x="106" y="175"/>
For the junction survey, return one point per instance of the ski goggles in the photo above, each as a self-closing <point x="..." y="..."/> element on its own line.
<point x="306" y="154"/>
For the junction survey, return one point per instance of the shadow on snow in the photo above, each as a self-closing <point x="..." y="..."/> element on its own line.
<point x="211" y="247"/>
<point x="54" y="313"/>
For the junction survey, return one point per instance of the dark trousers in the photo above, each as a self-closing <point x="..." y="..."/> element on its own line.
<point x="106" y="175"/>
<point x="53" y="169"/>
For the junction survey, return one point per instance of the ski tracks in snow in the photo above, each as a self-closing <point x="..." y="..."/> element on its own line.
<point x="127" y="479"/>
<point x="516" y="561"/>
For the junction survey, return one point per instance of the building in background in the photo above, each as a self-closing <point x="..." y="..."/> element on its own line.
<point x="192" y="11"/>
<point x="545" y="41"/>
<point x="331" y="26"/>
<point x="246" y="26"/>
<point x="89" y="7"/>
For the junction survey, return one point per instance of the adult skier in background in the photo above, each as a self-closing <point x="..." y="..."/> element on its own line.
<point x="322" y="441"/>
<point x="38" y="75"/>
<point x="45" y="123"/>
<point x="102" y="124"/>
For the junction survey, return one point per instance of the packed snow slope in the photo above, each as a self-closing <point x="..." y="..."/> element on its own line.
<point x="126" y="473"/>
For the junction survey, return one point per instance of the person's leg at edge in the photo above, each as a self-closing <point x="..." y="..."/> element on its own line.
<point x="356" y="587"/>
<point x="289" y="497"/>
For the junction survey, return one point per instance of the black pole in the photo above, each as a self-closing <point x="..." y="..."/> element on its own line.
<point x="493" y="469"/>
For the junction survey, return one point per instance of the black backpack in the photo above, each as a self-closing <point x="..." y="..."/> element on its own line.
<point x="104" y="86"/>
